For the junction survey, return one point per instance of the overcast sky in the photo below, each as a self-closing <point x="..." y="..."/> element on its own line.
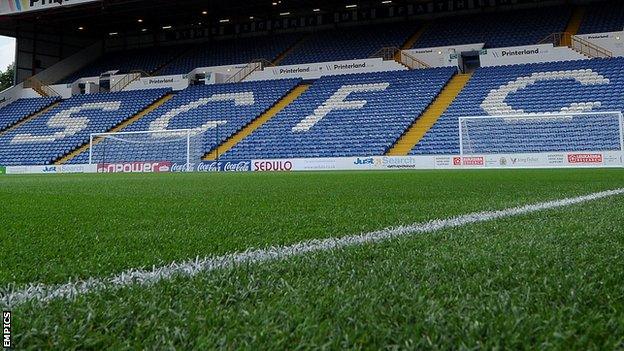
<point x="7" y="52"/>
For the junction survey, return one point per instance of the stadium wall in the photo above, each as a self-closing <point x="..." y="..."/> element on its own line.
<point x="528" y="54"/>
<point x="318" y="70"/>
<point x="498" y="161"/>
<point x="612" y="41"/>
<point x="442" y="56"/>
<point x="598" y="159"/>
<point x="16" y="92"/>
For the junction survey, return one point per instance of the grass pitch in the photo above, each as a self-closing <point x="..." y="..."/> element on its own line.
<point x="550" y="279"/>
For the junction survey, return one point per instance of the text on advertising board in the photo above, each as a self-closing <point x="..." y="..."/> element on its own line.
<point x="135" y="167"/>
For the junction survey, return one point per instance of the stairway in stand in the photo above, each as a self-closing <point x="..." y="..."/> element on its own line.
<point x="256" y="123"/>
<point x="431" y="115"/>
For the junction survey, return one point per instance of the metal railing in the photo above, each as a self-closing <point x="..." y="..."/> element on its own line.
<point x="386" y="53"/>
<point x="577" y="44"/>
<point x="557" y="39"/>
<point x="40" y="87"/>
<point x="400" y="56"/>
<point x="128" y="79"/>
<point x="590" y="49"/>
<point x="412" y="62"/>
<point x="251" y="67"/>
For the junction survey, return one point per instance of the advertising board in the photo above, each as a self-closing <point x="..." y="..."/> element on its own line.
<point x="317" y="70"/>
<point x="135" y="167"/>
<point x="213" y="166"/>
<point x="8" y="7"/>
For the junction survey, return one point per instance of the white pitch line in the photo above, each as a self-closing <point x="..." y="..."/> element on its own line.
<point x="11" y="297"/>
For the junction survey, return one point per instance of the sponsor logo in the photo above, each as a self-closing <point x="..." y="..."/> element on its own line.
<point x="585" y="158"/>
<point x="273" y="166"/>
<point x="473" y="161"/>
<point x="208" y="167"/>
<point x="213" y="166"/>
<point x="443" y="161"/>
<point x="44" y="2"/>
<point x="327" y="67"/>
<point x="337" y="67"/>
<point x="295" y="70"/>
<point x="523" y="52"/>
<point x="612" y="159"/>
<point x="469" y="161"/>
<point x="397" y="162"/>
<point x="235" y="166"/>
<point x="524" y="160"/>
<point x="73" y="169"/>
<point x="134" y="167"/>
<point x="49" y="169"/>
<point x="182" y="167"/>
<point x="364" y="161"/>
<point x="313" y="164"/>
<point x="502" y="161"/>
<point x="160" y="81"/>
<point x="13" y="6"/>
<point x="555" y="159"/>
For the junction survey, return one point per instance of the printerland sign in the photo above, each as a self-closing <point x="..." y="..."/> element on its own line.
<point x="9" y="7"/>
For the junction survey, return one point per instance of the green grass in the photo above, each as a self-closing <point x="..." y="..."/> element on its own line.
<point x="545" y="280"/>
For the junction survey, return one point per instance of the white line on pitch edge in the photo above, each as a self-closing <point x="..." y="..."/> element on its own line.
<point x="11" y="297"/>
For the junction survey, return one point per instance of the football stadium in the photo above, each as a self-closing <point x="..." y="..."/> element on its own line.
<point x="296" y="174"/>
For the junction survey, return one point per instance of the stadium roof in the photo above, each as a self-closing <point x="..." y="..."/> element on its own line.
<point x="95" y="18"/>
<point x="100" y="17"/>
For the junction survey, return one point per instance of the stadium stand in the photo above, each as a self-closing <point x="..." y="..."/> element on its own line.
<point x="354" y="43"/>
<point x="149" y="60"/>
<point x="357" y="114"/>
<point x="603" y="17"/>
<point x="417" y="131"/>
<point x="349" y="43"/>
<point x="22" y="108"/>
<point x="575" y="86"/>
<point x="232" y="52"/>
<point x="501" y="29"/>
<point x="347" y="115"/>
<point x="68" y="125"/>
<point x="228" y="106"/>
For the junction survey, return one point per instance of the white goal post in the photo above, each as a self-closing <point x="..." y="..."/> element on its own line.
<point x="545" y="132"/>
<point x="181" y="146"/>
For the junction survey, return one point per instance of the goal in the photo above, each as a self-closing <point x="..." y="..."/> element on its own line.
<point x="547" y="132"/>
<point x="180" y="146"/>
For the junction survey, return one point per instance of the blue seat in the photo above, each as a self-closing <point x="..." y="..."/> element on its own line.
<point x="555" y="95"/>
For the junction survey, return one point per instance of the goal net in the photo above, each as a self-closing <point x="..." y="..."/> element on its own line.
<point x="534" y="133"/>
<point x="181" y="146"/>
